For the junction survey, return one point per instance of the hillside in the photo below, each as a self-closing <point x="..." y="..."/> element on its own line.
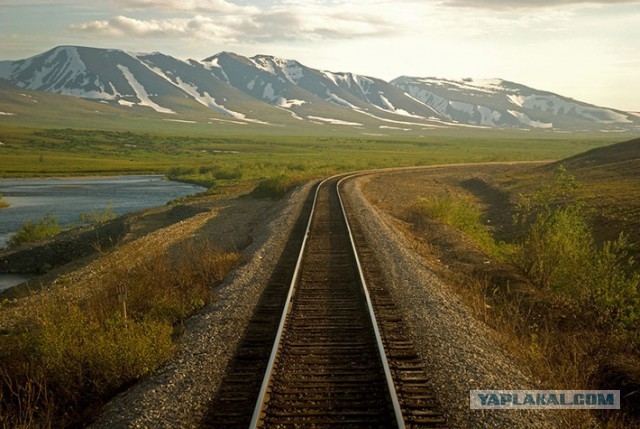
<point x="272" y="92"/>
<point x="623" y="158"/>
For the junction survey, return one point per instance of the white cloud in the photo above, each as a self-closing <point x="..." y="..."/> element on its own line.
<point x="198" y="6"/>
<point x="529" y="4"/>
<point x="282" y="22"/>
<point x="122" y="26"/>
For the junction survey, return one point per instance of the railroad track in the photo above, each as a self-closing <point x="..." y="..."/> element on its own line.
<point x="340" y="356"/>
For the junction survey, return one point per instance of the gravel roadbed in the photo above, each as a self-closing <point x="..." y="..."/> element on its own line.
<point x="179" y="394"/>
<point x="456" y="348"/>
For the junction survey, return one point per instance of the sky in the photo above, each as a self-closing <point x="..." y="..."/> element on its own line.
<point x="586" y="50"/>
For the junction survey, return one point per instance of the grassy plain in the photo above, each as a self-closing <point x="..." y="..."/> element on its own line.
<point x="65" y="152"/>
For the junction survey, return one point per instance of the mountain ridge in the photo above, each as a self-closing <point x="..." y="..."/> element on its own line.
<point x="268" y="90"/>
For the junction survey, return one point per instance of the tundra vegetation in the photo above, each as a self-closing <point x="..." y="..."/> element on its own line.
<point x="73" y="353"/>
<point x="3" y="203"/>
<point x="41" y="229"/>
<point x="581" y="321"/>
<point x="48" y="226"/>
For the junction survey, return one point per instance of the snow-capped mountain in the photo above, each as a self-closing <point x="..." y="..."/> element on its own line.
<point x="499" y="103"/>
<point x="268" y="90"/>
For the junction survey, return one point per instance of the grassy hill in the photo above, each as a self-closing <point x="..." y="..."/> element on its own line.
<point x="608" y="178"/>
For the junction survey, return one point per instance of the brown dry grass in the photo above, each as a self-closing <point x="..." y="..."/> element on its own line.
<point x="65" y="350"/>
<point x="561" y="345"/>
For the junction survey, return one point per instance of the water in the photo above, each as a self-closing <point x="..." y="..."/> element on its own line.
<point x="10" y="280"/>
<point x="66" y="199"/>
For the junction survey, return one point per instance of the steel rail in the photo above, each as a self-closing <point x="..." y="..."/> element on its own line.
<point x="261" y="401"/>
<point x="257" y="412"/>
<point x="383" y="356"/>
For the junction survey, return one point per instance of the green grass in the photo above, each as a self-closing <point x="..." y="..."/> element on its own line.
<point x="575" y="321"/>
<point x="461" y="213"/>
<point x="3" y="204"/>
<point x="72" y="355"/>
<point x="218" y="160"/>
<point x="31" y="231"/>
<point x="96" y="217"/>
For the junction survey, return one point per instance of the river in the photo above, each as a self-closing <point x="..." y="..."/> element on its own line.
<point x="68" y="198"/>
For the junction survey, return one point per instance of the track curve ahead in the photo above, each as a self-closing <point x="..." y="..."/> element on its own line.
<point x="328" y="366"/>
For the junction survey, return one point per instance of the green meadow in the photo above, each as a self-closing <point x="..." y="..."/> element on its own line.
<point x="216" y="160"/>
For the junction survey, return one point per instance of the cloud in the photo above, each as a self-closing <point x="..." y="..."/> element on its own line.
<point x="314" y="20"/>
<point x="197" y="6"/>
<point x="122" y="26"/>
<point x="292" y="21"/>
<point x="529" y="4"/>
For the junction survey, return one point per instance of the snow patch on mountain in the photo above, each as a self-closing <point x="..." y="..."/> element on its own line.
<point x="336" y="78"/>
<point x="487" y="86"/>
<point x="335" y="121"/>
<point x="141" y="93"/>
<point x="526" y="120"/>
<point x="334" y="99"/>
<point x="214" y="64"/>
<point x="269" y="93"/>
<point x="73" y="67"/>
<point x="516" y="99"/>
<point x="364" y="83"/>
<point x="182" y="121"/>
<point x="388" y="106"/>
<point x="287" y="104"/>
<point x="62" y="72"/>
<point x="387" y="127"/>
<point x="207" y="100"/>
<point x="292" y="70"/>
<point x="489" y="116"/>
<point x="553" y="104"/>
<point x="391" y="121"/>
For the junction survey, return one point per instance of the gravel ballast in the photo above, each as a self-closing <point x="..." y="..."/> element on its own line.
<point x="456" y="348"/>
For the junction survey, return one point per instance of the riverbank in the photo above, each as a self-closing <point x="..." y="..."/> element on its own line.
<point x="68" y="200"/>
<point x="155" y="239"/>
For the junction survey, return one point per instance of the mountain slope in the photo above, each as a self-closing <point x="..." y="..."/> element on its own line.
<point x="499" y="103"/>
<point x="266" y="90"/>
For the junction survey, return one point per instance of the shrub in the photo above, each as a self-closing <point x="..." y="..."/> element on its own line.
<point x="226" y="173"/>
<point x="559" y="253"/>
<point x="555" y="248"/>
<point x="3" y="204"/>
<point x="73" y="355"/>
<point x="166" y="288"/>
<point x="32" y="231"/>
<point x="276" y="187"/>
<point x="96" y="218"/>
<point x="69" y="359"/>
<point x="459" y="212"/>
<point x="176" y="172"/>
<point x="83" y="355"/>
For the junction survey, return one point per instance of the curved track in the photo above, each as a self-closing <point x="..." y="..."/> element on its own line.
<point x="332" y="363"/>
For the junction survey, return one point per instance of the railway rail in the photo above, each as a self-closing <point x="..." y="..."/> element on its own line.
<point x="340" y="356"/>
